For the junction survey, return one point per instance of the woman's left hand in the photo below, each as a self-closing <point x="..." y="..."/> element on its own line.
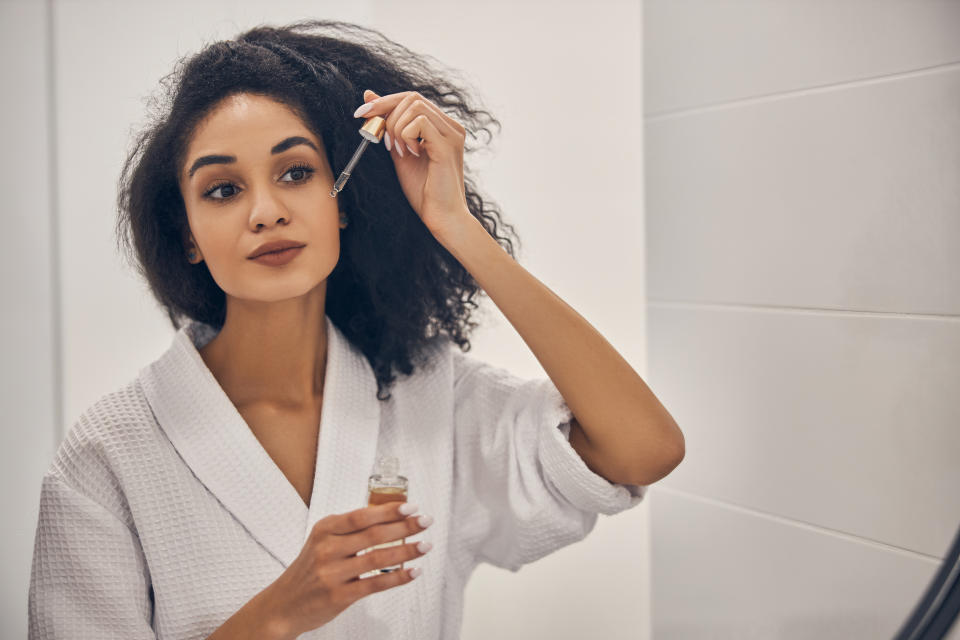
<point x="433" y="180"/>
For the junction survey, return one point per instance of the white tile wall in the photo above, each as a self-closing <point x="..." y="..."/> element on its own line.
<point x="845" y="420"/>
<point x="843" y="198"/>
<point x="702" y="52"/>
<point x="727" y="573"/>
<point x="803" y="235"/>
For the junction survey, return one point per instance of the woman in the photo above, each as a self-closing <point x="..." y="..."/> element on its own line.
<point x="221" y="492"/>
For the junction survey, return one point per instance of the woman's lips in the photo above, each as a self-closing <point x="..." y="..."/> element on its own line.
<point x="278" y="258"/>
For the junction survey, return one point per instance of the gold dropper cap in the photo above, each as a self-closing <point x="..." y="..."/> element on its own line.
<point x="373" y="128"/>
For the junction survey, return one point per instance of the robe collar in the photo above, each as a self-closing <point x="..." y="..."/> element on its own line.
<point x="216" y="443"/>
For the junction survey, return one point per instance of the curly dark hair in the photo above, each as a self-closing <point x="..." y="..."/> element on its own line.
<point x="395" y="288"/>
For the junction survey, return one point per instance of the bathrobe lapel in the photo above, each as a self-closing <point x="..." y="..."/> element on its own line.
<point x="215" y="442"/>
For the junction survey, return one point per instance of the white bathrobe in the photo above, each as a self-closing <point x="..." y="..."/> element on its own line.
<point x="162" y="515"/>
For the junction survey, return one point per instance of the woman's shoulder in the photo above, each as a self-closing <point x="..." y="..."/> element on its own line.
<point x="445" y="357"/>
<point x="106" y="433"/>
<point x="479" y="372"/>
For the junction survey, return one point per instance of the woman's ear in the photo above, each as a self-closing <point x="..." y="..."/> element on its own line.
<point x="191" y="249"/>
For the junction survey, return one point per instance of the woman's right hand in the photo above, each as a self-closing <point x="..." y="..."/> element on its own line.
<point x="324" y="579"/>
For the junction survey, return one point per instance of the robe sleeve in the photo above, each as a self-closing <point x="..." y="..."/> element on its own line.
<point x="89" y="577"/>
<point x="524" y="491"/>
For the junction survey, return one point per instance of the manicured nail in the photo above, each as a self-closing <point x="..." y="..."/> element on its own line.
<point x="416" y="571"/>
<point x="399" y="147"/>
<point x="412" y="151"/>
<point x="425" y="521"/>
<point x="406" y="508"/>
<point x="386" y="140"/>
<point x="424" y="546"/>
<point x="362" y="110"/>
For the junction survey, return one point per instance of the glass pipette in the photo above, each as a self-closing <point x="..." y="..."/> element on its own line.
<point x="371" y="131"/>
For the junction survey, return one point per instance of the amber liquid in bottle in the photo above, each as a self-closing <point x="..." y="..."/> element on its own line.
<point x="385" y="485"/>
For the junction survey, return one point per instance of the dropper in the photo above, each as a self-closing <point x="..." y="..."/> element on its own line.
<point x="371" y="131"/>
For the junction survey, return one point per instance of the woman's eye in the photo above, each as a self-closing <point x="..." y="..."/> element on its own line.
<point x="225" y="185"/>
<point x="303" y="171"/>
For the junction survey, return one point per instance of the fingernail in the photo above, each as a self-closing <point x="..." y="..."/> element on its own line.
<point x="416" y="571"/>
<point x="424" y="546"/>
<point x="412" y="151"/>
<point x="386" y="140"/>
<point x="399" y="148"/>
<point x="362" y="110"/>
<point x="425" y="521"/>
<point x="406" y="508"/>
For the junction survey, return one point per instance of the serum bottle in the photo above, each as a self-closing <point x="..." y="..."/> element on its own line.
<point x="386" y="485"/>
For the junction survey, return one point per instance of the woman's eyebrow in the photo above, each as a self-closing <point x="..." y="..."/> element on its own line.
<point x="280" y="147"/>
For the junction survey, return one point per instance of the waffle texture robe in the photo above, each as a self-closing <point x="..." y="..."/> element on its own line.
<point x="161" y="514"/>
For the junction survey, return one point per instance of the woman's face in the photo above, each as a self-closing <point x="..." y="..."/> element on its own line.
<point x="275" y="188"/>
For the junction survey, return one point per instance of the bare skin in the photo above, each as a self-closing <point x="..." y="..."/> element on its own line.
<point x="270" y="356"/>
<point x="291" y="440"/>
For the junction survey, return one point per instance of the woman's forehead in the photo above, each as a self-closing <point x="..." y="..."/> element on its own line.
<point x="251" y="116"/>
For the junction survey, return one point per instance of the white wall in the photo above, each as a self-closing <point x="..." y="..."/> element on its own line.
<point x="804" y="311"/>
<point x="561" y="77"/>
<point x="29" y="337"/>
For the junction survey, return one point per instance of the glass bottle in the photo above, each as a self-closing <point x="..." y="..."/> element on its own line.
<point x="385" y="485"/>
